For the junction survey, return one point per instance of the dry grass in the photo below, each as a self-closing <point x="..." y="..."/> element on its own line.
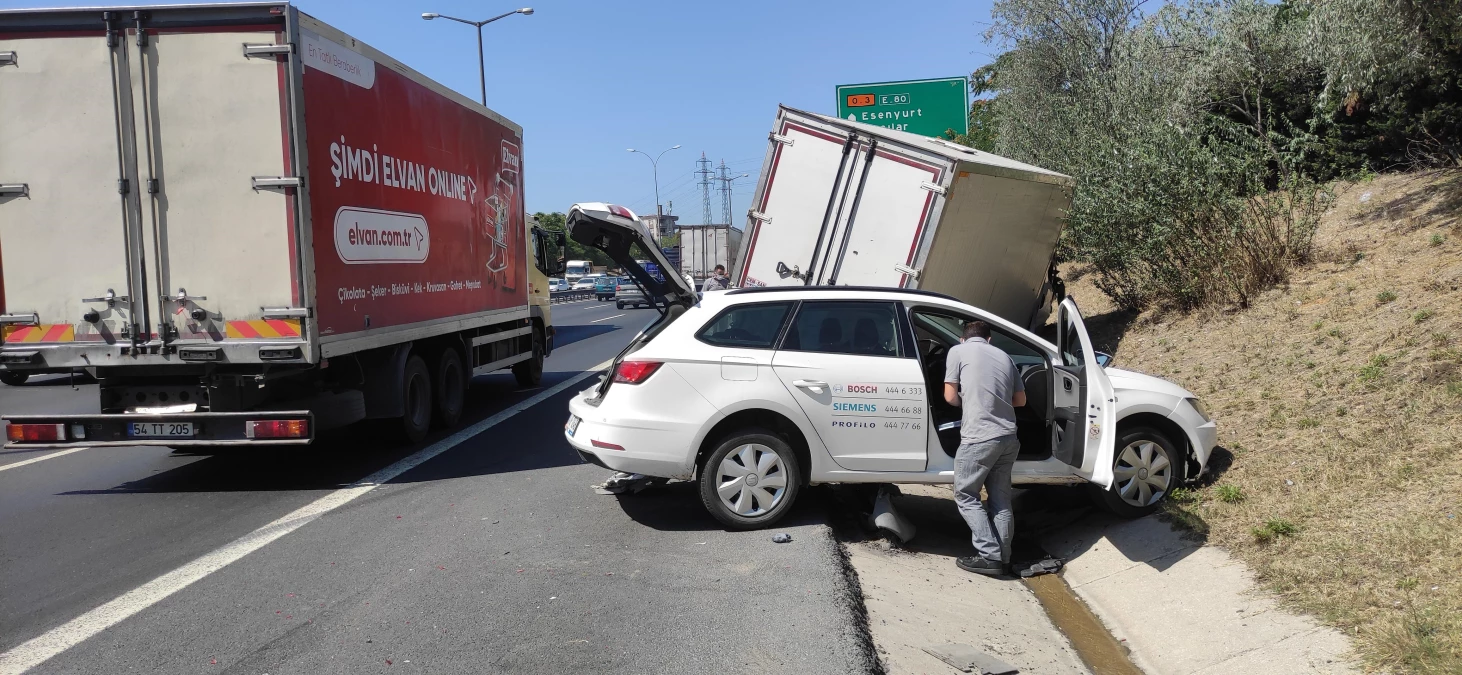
<point x="1340" y="399"/>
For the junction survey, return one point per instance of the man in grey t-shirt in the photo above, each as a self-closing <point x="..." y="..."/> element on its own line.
<point x="718" y="281"/>
<point x="983" y="381"/>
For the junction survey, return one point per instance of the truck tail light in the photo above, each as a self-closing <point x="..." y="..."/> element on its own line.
<point x="621" y="211"/>
<point x="30" y="433"/>
<point x="277" y="429"/>
<point x="635" y="372"/>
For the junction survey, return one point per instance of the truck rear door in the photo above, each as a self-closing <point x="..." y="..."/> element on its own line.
<point x="67" y="205"/>
<point x="798" y="193"/>
<point x="213" y="124"/>
<point x="156" y="156"/>
<point x="838" y="204"/>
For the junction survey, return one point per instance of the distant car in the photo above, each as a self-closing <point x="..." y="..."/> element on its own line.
<point x="587" y="283"/>
<point x="629" y="294"/>
<point x="604" y="287"/>
<point x="556" y="285"/>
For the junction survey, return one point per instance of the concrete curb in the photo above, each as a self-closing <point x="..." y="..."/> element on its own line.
<point x="1188" y="609"/>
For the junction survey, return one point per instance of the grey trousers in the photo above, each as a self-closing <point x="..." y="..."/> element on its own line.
<point x="988" y="464"/>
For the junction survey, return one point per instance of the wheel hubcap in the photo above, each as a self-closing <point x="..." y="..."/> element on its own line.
<point x="751" y="480"/>
<point x="1143" y="473"/>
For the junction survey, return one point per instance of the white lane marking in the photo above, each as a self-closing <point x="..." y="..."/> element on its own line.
<point x="41" y="648"/>
<point x="616" y="316"/>
<point x="42" y="458"/>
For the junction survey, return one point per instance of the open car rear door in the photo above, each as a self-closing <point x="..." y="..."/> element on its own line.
<point x="617" y="232"/>
<point x="1085" y="403"/>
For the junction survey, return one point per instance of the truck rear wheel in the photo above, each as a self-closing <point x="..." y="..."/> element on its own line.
<point x="451" y="388"/>
<point x="416" y="400"/>
<point x="13" y="378"/>
<point x="530" y="372"/>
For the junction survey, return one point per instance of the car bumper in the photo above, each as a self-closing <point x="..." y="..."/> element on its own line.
<point x="644" y="431"/>
<point x="1207" y="440"/>
<point x="1202" y="433"/>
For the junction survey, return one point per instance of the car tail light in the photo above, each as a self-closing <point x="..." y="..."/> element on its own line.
<point x="277" y="428"/>
<point x="23" y="433"/>
<point x="606" y="445"/>
<point x="621" y="211"/>
<point x="635" y="372"/>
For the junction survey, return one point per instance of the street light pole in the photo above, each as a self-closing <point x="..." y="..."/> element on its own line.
<point x="655" y="173"/>
<point x="481" y="62"/>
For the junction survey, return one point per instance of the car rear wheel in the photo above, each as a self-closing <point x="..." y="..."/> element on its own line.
<point x="13" y="378"/>
<point x="416" y="399"/>
<point x="619" y="305"/>
<point x="1147" y="468"/>
<point x="751" y="480"/>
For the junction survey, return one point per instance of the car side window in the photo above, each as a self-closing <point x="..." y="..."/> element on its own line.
<point x="1071" y="354"/>
<point x="952" y="327"/>
<point x="866" y="328"/>
<point x="752" y="326"/>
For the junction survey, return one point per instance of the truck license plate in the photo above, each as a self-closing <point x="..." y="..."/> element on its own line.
<point x="573" y="424"/>
<point x="160" y="429"/>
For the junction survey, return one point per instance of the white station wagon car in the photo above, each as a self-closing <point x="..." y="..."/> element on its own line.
<point x="757" y="392"/>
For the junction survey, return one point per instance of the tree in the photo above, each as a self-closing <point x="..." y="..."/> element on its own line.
<point x="1165" y="122"/>
<point x="983" y="123"/>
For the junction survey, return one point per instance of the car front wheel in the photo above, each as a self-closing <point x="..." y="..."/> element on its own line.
<point x="751" y="480"/>
<point x="1147" y="468"/>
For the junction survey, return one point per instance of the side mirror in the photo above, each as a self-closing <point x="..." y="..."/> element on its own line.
<point x="1103" y="359"/>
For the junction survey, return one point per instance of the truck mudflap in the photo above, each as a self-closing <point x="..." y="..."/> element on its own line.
<point x="175" y="430"/>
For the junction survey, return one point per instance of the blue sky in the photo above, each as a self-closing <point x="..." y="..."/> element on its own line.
<point x="588" y="78"/>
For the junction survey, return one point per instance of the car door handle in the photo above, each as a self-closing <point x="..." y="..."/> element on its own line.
<point x="810" y="384"/>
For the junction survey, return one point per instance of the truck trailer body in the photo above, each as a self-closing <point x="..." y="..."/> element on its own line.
<point x="703" y="247"/>
<point x="845" y="203"/>
<point x="233" y="208"/>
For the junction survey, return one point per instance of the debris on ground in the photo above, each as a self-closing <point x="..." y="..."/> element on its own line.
<point x="622" y="482"/>
<point x="970" y="660"/>
<point x="887" y="520"/>
<point x="1048" y="565"/>
<point x="781" y="538"/>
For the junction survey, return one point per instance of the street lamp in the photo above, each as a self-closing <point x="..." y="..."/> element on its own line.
<point x="481" y="66"/>
<point x="655" y="171"/>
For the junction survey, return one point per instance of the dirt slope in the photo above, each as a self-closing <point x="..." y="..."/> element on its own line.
<point x="1339" y="400"/>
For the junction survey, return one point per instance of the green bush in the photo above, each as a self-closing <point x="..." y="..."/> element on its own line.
<point x="1198" y="133"/>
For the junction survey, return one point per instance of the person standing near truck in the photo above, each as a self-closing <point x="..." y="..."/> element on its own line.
<point x="983" y="381"/>
<point x="718" y="281"/>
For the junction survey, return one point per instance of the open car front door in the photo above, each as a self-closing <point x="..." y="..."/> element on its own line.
<point x="617" y="232"/>
<point x="1085" y="403"/>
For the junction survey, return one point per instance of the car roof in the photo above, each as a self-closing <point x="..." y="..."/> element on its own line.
<point x="718" y="299"/>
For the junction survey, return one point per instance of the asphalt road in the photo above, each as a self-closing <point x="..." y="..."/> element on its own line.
<point x="493" y="556"/>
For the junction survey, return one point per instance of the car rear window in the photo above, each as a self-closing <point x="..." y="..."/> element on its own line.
<point x="750" y="326"/>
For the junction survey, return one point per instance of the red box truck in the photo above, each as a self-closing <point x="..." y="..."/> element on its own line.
<point x="250" y="226"/>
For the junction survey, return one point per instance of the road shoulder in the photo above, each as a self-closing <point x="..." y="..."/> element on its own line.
<point x="917" y="598"/>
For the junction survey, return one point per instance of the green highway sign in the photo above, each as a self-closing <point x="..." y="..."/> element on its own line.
<point x="927" y="107"/>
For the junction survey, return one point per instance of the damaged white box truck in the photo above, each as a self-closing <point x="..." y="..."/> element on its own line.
<point x="848" y="204"/>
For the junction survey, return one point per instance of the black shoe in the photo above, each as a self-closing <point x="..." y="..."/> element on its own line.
<point x="978" y="565"/>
